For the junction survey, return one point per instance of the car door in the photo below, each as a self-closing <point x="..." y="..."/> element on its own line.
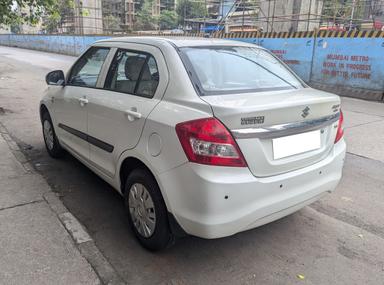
<point x="71" y="105"/>
<point x="134" y="84"/>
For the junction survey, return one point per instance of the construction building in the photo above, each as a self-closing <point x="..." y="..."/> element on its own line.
<point x="231" y="15"/>
<point x="88" y="16"/>
<point x="84" y="18"/>
<point x="290" y="15"/>
<point x="122" y="10"/>
<point x="119" y="16"/>
<point x="168" y="5"/>
<point x="126" y="10"/>
<point x="260" y="15"/>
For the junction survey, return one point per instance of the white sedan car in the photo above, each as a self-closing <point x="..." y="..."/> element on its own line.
<point x="202" y="137"/>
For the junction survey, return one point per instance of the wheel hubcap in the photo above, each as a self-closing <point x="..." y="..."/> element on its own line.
<point x="142" y="210"/>
<point x="48" y="134"/>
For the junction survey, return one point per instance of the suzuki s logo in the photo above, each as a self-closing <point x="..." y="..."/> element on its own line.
<point x="305" y="112"/>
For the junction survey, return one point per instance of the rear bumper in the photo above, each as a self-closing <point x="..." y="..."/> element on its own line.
<point x="213" y="202"/>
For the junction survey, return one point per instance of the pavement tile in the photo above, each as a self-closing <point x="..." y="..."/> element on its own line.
<point x="9" y="166"/>
<point x="362" y="106"/>
<point x="353" y="119"/>
<point x="36" y="249"/>
<point x="363" y="186"/>
<point x="21" y="189"/>
<point x="366" y="140"/>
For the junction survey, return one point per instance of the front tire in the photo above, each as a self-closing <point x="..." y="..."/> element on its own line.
<point x="52" y="144"/>
<point x="147" y="213"/>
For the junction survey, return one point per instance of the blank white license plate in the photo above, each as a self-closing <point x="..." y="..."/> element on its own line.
<point x="295" y="144"/>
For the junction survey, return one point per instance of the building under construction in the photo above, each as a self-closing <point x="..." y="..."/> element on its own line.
<point x="85" y="17"/>
<point x="267" y="15"/>
<point x="289" y="15"/>
<point x="307" y="15"/>
<point x="118" y="16"/>
<point x="125" y="11"/>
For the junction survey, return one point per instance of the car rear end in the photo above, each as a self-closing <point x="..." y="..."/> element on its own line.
<point x="272" y="146"/>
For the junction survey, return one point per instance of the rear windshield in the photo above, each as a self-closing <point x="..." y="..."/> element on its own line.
<point x="234" y="69"/>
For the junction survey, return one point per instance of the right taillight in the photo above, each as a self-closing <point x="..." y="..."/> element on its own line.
<point x="340" y="127"/>
<point x="207" y="141"/>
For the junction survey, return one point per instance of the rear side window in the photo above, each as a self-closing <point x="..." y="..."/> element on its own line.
<point x="86" y="70"/>
<point x="133" y="73"/>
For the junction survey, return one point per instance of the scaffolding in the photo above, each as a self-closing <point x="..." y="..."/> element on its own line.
<point x="324" y="14"/>
<point x="231" y="15"/>
<point x="294" y="15"/>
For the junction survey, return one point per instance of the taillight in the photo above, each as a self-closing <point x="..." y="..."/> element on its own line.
<point x="340" y="127"/>
<point x="207" y="141"/>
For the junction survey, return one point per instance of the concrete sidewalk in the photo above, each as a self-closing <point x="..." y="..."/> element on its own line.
<point x="40" y="241"/>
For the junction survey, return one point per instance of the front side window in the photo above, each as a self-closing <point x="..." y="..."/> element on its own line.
<point x="231" y="69"/>
<point x="87" y="69"/>
<point x="133" y="73"/>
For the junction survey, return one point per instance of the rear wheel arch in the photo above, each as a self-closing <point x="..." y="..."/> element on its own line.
<point x="170" y="229"/>
<point x="131" y="163"/>
<point x="127" y="166"/>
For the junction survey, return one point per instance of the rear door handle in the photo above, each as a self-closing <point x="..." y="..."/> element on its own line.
<point x="133" y="114"/>
<point x="83" y="101"/>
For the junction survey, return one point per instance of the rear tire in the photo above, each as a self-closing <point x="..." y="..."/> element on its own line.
<point x="52" y="144"/>
<point x="147" y="213"/>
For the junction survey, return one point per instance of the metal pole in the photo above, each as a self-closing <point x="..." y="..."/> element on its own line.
<point x="273" y="13"/>
<point x="96" y="9"/>
<point x="309" y="13"/>
<point x="334" y="15"/>
<point x="205" y="13"/>
<point x="269" y="10"/>
<point x="222" y="9"/>
<point x="185" y="11"/>
<point x="242" y="24"/>
<point x="352" y="13"/>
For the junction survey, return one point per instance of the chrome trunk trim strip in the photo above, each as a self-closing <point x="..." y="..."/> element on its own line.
<point x="285" y="129"/>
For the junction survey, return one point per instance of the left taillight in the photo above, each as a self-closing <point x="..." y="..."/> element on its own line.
<point x="207" y="141"/>
<point x="340" y="128"/>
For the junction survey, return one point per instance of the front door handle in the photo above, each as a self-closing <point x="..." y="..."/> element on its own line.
<point x="83" y="101"/>
<point x="132" y="114"/>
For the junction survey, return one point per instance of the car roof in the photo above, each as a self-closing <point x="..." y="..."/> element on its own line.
<point x="178" y="41"/>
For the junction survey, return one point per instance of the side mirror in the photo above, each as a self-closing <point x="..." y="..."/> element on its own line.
<point x="55" y="77"/>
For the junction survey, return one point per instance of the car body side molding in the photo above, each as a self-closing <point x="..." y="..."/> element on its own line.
<point x="92" y="140"/>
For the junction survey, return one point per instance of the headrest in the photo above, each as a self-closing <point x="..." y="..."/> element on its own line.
<point x="133" y="66"/>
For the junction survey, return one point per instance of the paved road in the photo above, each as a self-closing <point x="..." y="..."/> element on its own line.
<point x="338" y="240"/>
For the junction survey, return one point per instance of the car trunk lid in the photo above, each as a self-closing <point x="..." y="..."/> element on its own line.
<point x="279" y="131"/>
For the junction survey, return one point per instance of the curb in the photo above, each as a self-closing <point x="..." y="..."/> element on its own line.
<point x="82" y="240"/>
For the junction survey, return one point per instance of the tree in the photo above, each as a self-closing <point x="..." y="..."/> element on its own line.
<point x="340" y="11"/>
<point x="144" y="18"/>
<point x="52" y="22"/>
<point x="53" y="17"/>
<point x="187" y="9"/>
<point x="24" y="11"/>
<point x="111" y="23"/>
<point x="168" y="20"/>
